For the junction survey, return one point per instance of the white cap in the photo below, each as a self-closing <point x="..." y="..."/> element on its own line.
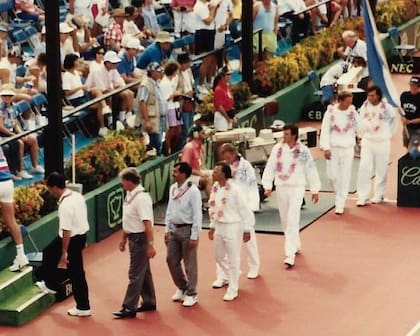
<point x="134" y="43"/>
<point x="65" y="28"/>
<point x="111" y="56"/>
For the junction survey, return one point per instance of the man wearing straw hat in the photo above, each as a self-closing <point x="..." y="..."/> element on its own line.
<point x="115" y="32"/>
<point x="158" y="51"/>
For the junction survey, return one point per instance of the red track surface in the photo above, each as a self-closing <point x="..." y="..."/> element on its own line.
<point x="358" y="275"/>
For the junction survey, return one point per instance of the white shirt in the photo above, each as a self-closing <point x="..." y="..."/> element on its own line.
<point x="168" y="87"/>
<point x="244" y="175"/>
<point x="360" y="50"/>
<point x="72" y="213"/>
<point x="222" y="13"/>
<point x="279" y="168"/>
<point x="338" y="128"/>
<point x="285" y="6"/>
<point x="377" y="122"/>
<point x="104" y="79"/>
<point x="72" y="81"/>
<point x="6" y="64"/>
<point x="228" y="205"/>
<point x="137" y="208"/>
<point x="184" y="207"/>
<point x="188" y="78"/>
<point x="332" y="75"/>
<point x="201" y="12"/>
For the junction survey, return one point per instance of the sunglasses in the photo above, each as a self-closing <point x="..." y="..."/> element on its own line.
<point x="100" y="53"/>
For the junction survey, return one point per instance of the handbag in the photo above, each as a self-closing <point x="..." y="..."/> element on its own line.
<point x="187" y="105"/>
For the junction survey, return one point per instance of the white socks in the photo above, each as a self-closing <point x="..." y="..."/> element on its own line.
<point x="20" y="252"/>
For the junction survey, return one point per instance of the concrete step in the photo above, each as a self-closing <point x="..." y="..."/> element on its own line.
<point x="13" y="282"/>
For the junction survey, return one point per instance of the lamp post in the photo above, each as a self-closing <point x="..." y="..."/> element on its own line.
<point x="247" y="43"/>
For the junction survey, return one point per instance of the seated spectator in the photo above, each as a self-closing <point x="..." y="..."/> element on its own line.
<point x="78" y="93"/>
<point x="106" y="78"/>
<point x="4" y="33"/>
<point x="300" y="22"/>
<point x="149" y="16"/>
<point x="10" y="125"/>
<point x="138" y="19"/>
<point x="27" y="10"/>
<point x="41" y="46"/>
<point x="100" y="16"/>
<point x="353" y="46"/>
<point x="128" y="65"/>
<point x="98" y="60"/>
<point x="115" y="32"/>
<point x="84" y="39"/>
<point x="37" y="68"/>
<point x="68" y="41"/>
<point x="158" y="52"/>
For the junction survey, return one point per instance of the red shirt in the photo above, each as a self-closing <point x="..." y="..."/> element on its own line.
<point x="193" y="154"/>
<point x="222" y="96"/>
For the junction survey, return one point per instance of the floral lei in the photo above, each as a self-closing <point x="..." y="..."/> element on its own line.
<point x="234" y="167"/>
<point x="215" y="209"/>
<point x="349" y="125"/>
<point x="292" y="167"/>
<point x="371" y="115"/>
<point x="181" y="192"/>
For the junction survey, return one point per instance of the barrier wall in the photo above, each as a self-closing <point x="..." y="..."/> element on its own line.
<point x="105" y="203"/>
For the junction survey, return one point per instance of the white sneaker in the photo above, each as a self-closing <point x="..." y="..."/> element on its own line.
<point x="24" y="174"/>
<point x="289" y="261"/>
<point x="202" y="89"/>
<point x="178" y="296"/>
<point x="106" y="110"/>
<point x="252" y="274"/>
<point x="190" y="300"/>
<point x="79" y="312"/>
<point x="19" y="263"/>
<point x="376" y="200"/>
<point x="38" y="170"/>
<point x="103" y="131"/>
<point x="119" y="126"/>
<point x="230" y="295"/>
<point x="339" y="211"/>
<point x="219" y="283"/>
<point x="361" y="203"/>
<point x="43" y="286"/>
<point x="16" y="178"/>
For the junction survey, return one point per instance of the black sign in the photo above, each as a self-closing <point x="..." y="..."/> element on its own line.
<point x="407" y="65"/>
<point x="408" y="182"/>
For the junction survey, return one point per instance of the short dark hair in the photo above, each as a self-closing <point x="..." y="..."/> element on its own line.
<point x="183" y="168"/>
<point x="225" y="169"/>
<point x="70" y="61"/>
<point x="137" y="3"/>
<point x="376" y="89"/>
<point x="294" y="130"/>
<point x="56" y="179"/>
<point x="130" y="174"/>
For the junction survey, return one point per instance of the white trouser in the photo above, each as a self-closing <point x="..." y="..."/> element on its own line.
<point x="289" y="202"/>
<point x="339" y="173"/>
<point x="182" y="22"/>
<point x="227" y="248"/>
<point x="373" y="154"/>
<point x="221" y="123"/>
<point x="252" y="254"/>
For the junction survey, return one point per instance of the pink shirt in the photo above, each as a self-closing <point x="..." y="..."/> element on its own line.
<point x="193" y="154"/>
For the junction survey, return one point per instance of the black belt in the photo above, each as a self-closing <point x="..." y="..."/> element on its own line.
<point x="5" y="179"/>
<point x="181" y="225"/>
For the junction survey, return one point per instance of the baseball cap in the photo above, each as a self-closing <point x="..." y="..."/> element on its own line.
<point x="112" y="57"/>
<point x="415" y="80"/>
<point x="154" y="66"/>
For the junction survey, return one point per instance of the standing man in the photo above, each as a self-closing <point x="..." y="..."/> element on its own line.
<point x="410" y="103"/>
<point x="137" y="228"/>
<point x="8" y="213"/>
<point x="290" y="165"/>
<point x="231" y="221"/>
<point x="377" y="125"/>
<point x="73" y="226"/>
<point x="244" y="175"/>
<point x="338" y="134"/>
<point x="182" y="229"/>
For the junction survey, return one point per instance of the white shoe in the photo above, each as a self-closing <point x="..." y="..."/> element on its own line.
<point x="103" y="131"/>
<point x="376" y="200"/>
<point x="289" y="261"/>
<point x="43" y="286"/>
<point x="202" y="89"/>
<point x="19" y="263"/>
<point x="79" y="312"/>
<point x="230" y="295"/>
<point x="178" y="296"/>
<point x="361" y="203"/>
<point x="24" y="174"/>
<point x="190" y="300"/>
<point x="106" y="110"/>
<point x="339" y="211"/>
<point x="219" y="283"/>
<point x="38" y="170"/>
<point x="252" y="274"/>
<point x="119" y="126"/>
<point x="16" y="178"/>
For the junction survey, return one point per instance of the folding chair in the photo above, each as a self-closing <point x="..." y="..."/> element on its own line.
<point x="284" y="31"/>
<point x="35" y="256"/>
<point x="25" y="114"/>
<point x="314" y="80"/>
<point x="401" y="49"/>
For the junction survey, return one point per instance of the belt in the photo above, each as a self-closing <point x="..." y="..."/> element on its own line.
<point x="181" y="225"/>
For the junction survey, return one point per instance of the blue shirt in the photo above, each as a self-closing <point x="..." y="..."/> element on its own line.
<point x="127" y="65"/>
<point x="153" y="53"/>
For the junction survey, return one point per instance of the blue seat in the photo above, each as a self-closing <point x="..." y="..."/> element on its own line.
<point x="178" y="43"/>
<point x="21" y="71"/>
<point x="188" y="39"/>
<point x="165" y="21"/>
<point x="39" y="102"/>
<point x="314" y="81"/>
<point x="6" y="5"/>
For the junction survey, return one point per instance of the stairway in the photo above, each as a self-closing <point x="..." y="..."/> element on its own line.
<point x="20" y="299"/>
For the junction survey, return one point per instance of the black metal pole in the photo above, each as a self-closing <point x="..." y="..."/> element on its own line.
<point x="247" y="45"/>
<point x="53" y="133"/>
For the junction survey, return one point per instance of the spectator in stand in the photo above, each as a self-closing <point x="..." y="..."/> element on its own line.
<point x="4" y="33"/>
<point x="186" y="79"/>
<point x="266" y="16"/>
<point x="130" y="27"/>
<point x="171" y="91"/>
<point x="204" y="14"/>
<point x="37" y="68"/>
<point x="128" y="65"/>
<point x="157" y="52"/>
<point x="353" y="46"/>
<point x="149" y="16"/>
<point x="115" y="32"/>
<point x="78" y="93"/>
<point x="84" y="39"/>
<point x="410" y="103"/>
<point x="98" y="61"/>
<point x="152" y="106"/>
<point x="223" y="102"/>
<point x="236" y="25"/>
<point x="183" y="16"/>
<point x="99" y="10"/>
<point x="319" y="12"/>
<point x="107" y="78"/>
<point x="8" y="214"/>
<point x="27" y="10"/>
<point x="10" y="125"/>
<point x="222" y="22"/>
<point x="300" y="22"/>
<point x="336" y="11"/>
<point x="41" y="46"/>
<point x="68" y="41"/>
<point x="81" y="7"/>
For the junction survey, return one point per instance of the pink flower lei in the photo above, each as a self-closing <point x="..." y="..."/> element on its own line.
<point x="234" y="167"/>
<point x="349" y="125"/>
<point x="216" y="208"/>
<point x="292" y="167"/>
<point x="380" y="115"/>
